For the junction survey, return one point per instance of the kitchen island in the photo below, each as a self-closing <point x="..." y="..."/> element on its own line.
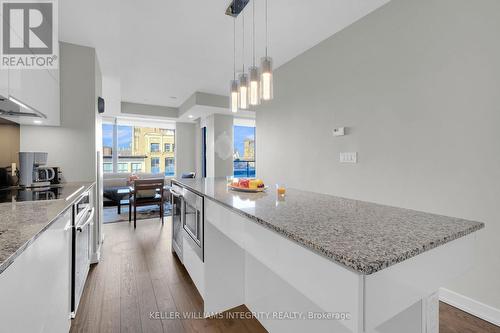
<point x="357" y="266"/>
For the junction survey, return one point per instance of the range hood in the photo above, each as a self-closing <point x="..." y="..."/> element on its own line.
<point x="12" y="107"/>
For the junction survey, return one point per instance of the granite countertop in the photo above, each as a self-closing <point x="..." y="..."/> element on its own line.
<point x="362" y="236"/>
<point x="22" y="222"/>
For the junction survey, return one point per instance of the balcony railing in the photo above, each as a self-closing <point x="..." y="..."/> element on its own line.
<point x="243" y="168"/>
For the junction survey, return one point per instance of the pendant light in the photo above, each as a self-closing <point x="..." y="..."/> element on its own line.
<point x="254" y="70"/>
<point x="243" y="76"/>
<point x="266" y="73"/>
<point x="233" y="85"/>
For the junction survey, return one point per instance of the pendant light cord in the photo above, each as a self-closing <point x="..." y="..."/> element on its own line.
<point x="234" y="48"/>
<point x="266" y="28"/>
<point x="253" y="32"/>
<point x="243" y="39"/>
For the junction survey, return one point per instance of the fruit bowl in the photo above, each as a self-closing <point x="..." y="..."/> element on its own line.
<point x="246" y="189"/>
<point x="247" y="185"/>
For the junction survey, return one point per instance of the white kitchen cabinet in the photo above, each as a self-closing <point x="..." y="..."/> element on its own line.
<point x="35" y="288"/>
<point x="4" y="82"/>
<point x="40" y="90"/>
<point x="193" y="265"/>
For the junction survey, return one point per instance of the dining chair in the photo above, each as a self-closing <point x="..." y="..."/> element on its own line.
<point x="147" y="192"/>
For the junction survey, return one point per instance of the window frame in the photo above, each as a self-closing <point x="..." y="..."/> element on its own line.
<point x="157" y="144"/>
<point x="142" y="148"/>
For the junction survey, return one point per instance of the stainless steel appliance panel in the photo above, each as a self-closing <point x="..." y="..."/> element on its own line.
<point x="193" y="220"/>
<point x="83" y="217"/>
<point x="177" y="233"/>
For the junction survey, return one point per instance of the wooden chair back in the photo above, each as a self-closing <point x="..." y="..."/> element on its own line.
<point x="149" y="184"/>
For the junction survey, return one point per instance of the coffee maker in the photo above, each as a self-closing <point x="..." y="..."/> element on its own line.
<point x="31" y="170"/>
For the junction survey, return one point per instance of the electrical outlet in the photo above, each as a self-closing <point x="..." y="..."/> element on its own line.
<point x="351" y="157"/>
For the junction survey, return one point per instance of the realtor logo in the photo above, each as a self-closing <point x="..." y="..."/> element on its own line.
<point x="29" y="34"/>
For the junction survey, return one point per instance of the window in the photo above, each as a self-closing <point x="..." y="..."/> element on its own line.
<point x="122" y="167"/>
<point x="136" y="147"/>
<point x="154" y="147"/>
<point x="155" y="165"/>
<point x="107" y="167"/>
<point x="107" y="147"/>
<point x="244" y="151"/>
<point x="169" y="166"/>
<point x="136" y="167"/>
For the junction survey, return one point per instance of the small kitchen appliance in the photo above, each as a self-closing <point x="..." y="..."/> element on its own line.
<point x="31" y="170"/>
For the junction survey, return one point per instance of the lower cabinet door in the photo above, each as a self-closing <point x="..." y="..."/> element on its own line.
<point x="35" y="288"/>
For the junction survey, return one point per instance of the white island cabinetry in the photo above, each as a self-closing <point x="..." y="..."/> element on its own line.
<point x="246" y="263"/>
<point x="35" y="288"/>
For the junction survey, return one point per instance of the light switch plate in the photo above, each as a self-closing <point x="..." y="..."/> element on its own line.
<point x="349" y="157"/>
<point x="339" y="131"/>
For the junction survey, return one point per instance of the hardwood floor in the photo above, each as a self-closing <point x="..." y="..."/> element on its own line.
<point x="138" y="277"/>
<point x="139" y="282"/>
<point x="453" y="320"/>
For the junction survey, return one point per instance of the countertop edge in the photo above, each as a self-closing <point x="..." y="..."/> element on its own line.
<point x="7" y="262"/>
<point x="362" y="267"/>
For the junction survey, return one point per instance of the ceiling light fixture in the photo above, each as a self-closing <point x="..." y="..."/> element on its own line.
<point x="190" y="116"/>
<point x="254" y="70"/>
<point x="266" y="71"/>
<point x="233" y="85"/>
<point x="257" y="85"/>
<point x="243" y="76"/>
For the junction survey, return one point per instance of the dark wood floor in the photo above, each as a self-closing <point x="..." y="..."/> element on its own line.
<point x="138" y="275"/>
<point x="453" y="320"/>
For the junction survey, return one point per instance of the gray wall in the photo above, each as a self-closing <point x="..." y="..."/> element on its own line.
<point x="71" y="146"/>
<point x="185" y="148"/>
<point x="418" y="85"/>
<point x="148" y="110"/>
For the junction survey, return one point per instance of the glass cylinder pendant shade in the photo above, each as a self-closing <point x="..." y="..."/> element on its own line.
<point x="254" y="85"/>
<point x="244" y="90"/>
<point x="266" y="78"/>
<point x="233" y="97"/>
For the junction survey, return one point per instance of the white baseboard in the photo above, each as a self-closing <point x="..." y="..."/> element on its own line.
<point x="475" y="308"/>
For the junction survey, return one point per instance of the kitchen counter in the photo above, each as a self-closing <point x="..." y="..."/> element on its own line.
<point x="22" y="222"/>
<point x="362" y="236"/>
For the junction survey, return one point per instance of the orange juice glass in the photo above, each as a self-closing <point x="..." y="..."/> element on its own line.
<point x="280" y="190"/>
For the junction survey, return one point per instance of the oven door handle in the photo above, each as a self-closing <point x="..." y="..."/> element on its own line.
<point x="80" y="227"/>
<point x="175" y="194"/>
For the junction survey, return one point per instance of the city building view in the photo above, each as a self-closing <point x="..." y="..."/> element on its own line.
<point x="139" y="149"/>
<point x="244" y="151"/>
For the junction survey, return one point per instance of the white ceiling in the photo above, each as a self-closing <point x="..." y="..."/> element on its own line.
<point x="165" y="50"/>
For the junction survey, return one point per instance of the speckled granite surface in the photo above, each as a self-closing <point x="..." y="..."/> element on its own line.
<point x="364" y="237"/>
<point x="22" y="222"/>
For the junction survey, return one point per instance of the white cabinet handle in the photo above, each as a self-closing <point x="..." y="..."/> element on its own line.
<point x="91" y="217"/>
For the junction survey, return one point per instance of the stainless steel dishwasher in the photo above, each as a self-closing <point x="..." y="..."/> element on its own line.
<point x="83" y="218"/>
<point x="177" y="233"/>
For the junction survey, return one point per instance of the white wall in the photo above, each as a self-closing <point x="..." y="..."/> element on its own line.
<point x="198" y="154"/>
<point x="219" y="145"/>
<point x="111" y="92"/>
<point x="71" y="146"/>
<point x="417" y="83"/>
<point x="185" y="148"/>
